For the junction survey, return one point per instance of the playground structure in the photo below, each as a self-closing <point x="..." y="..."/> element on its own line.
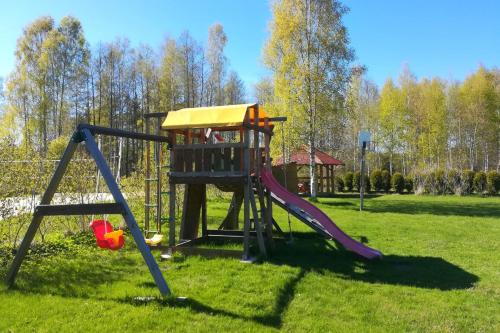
<point x="325" y="170"/>
<point x="227" y="146"/>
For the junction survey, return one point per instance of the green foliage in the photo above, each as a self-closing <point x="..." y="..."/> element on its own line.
<point x="440" y="182"/>
<point x="57" y="147"/>
<point x="376" y="180"/>
<point x="398" y="182"/>
<point x="467" y="181"/>
<point x="386" y="181"/>
<point x="367" y="183"/>
<point x="480" y="182"/>
<point x="348" y="181"/>
<point x="493" y="182"/>
<point x="409" y="183"/>
<point x="356" y="181"/>
<point x="453" y="181"/>
<point x="339" y="184"/>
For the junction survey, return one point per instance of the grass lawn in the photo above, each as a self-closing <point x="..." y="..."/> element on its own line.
<point x="440" y="273"/>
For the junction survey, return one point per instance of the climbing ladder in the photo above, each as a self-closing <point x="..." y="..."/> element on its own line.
<point x="154" y="192"/>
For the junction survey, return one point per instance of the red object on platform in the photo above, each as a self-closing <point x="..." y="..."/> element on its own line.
<point x="106" y="237"/>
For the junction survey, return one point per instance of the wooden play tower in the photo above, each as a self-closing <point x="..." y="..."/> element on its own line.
<point x="227" y="146"/>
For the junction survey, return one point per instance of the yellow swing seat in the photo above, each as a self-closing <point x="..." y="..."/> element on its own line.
<point x="155" y="240"/>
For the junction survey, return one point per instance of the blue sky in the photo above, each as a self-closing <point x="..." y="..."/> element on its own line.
<point x="435" y="38"/>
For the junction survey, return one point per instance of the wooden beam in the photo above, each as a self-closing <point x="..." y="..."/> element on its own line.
<point x="79" y="209"/>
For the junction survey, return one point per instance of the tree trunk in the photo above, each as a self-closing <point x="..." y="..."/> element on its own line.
<point x="312" y="161"/>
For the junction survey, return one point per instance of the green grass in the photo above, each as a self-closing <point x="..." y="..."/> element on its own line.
<point x="440" y="273"/>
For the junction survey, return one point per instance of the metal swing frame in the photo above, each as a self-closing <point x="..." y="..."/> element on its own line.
<point x="85" y="134"/>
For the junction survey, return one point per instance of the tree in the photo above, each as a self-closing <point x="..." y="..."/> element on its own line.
<point x="234" y="89"/>
<point x="391" y="119"/>
<point x="480" y="118"/>
<point x="308" y="52"/>
<point x="169" y="77"/>
<point x="50" y="70"/>
<point x="191" y="65"/>
<point x="361" y="113"/>
<point x="217" y="62"/>
<point x="432" y="137"/>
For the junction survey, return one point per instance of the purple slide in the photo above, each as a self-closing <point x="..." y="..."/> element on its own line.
<point x="314" y="217"/>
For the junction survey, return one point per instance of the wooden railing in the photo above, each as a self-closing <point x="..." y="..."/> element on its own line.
<point x="208" y="158"/>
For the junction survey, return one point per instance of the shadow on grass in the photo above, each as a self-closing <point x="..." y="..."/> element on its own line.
<point x="75" y="277"/>
<point x="273" y="319"/>
<point x="309" y="252"/>
<point x="316" y="254"/>
<point x="313" y="254"/>
<point x="486" y="209"/>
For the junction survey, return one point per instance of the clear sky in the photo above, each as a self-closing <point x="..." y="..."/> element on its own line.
<point x="446" y="38"/>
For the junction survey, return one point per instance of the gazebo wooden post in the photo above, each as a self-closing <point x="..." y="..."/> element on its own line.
<point x="321" y="190"/>
<point x="328" y="189"/>
<point x="332" y="175"/>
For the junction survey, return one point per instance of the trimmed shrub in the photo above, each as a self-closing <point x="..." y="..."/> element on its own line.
<point x="430" y="183"/>
<point x="398" y="182"/>
<point x="339" y="184"/>
<point x="480" y="182"/>
<point x="348" y="181"/>
<point x="376" y="180"/>
<point x="453" y="182"/>
<point x="356" y="181"/>
<point x="367" y="183"/>
<point x="493" y="182"/>
<point x="386" y="181"/>
<point x="409" y="183"/>
<point x="419" y="183"/>
<point x="440" y="182"/>
<point x="467" y="181"/>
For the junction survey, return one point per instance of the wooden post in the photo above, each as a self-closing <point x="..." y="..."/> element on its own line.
<point x="332" y="177"/>
<point x="258" y="221"/>
<point x="246" y="195"/>
<point x="172" y="196"/>
<point x="147" y="189"/>
<point x="327" y="169"/>
<point x="269" y="202"/>
<point x="158" y="176"/>
<point x="204" y="212"/>
<point x="321" y="189"/>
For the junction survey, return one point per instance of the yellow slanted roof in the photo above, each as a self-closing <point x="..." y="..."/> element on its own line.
<point x="213" y="116"/>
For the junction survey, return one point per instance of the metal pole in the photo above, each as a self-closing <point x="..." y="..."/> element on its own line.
<point x="362" y="178"/>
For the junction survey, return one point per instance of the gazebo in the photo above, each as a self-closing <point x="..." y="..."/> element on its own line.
<point x="325" y="169"/>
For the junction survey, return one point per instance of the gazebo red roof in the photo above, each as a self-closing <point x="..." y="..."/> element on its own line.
<point x="301" y="157"/>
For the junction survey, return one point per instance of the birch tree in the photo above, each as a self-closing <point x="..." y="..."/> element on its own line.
<point x="308" y="52"/>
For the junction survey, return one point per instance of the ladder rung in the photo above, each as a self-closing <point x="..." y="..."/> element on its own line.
<point x="151" y="205"/>
<point x="167" y="192"/>
<point x="151" y="179"/>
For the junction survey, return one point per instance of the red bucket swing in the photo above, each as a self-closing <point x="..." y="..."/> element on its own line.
<point x="106" y="237"/>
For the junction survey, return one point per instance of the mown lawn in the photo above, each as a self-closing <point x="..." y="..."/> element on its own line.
<point x="440" y="273"/>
